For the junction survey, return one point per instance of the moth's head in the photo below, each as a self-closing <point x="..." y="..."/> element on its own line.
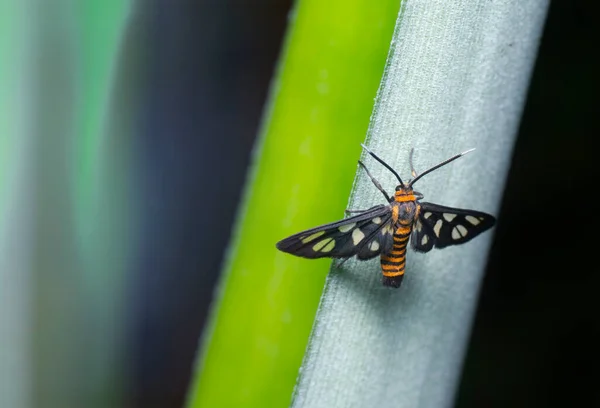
<point x="406" y="193"/>
<point x="403" y="190"/>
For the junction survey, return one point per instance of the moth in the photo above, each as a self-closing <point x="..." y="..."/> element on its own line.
<point x="386" y="230"/>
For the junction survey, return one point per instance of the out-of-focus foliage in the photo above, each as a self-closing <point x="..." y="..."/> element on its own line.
<point x="61" y="339"/>
<point x="321" y="101"/>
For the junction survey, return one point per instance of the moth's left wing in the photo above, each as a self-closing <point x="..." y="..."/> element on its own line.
<point x="365" y="235"/>
<point x="439" y="226"/>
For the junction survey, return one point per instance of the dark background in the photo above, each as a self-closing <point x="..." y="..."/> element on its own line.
<point x="536" y="335"/>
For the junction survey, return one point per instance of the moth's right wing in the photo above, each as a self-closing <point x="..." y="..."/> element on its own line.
<point x="366" y="235"/>
<point x="439" y="226"/>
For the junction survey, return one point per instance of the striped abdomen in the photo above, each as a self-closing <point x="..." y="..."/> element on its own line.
<point x="394" y="262"/>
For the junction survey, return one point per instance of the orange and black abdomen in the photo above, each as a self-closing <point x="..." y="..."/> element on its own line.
<point x="393" y="263"/>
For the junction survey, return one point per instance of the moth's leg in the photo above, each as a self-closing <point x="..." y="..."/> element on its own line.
<point x="337" y="265"/>
<point x="386" y="195"/>
<point x="413" y="172"/>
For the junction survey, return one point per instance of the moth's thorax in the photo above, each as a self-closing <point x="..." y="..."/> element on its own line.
<point x="404" y="212"/>
<point x="404" y="206"/>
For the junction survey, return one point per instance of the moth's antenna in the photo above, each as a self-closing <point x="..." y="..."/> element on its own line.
<point x="437" y="166"/>
<point x="385" y="164"/>
<point x="413" y="172"/>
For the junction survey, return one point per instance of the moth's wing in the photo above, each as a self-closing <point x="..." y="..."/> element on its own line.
<point x="439" y="226"/>
<point x="340" y="239"/>
<point x="422" y="236"/>
<point x="379" y="238"/>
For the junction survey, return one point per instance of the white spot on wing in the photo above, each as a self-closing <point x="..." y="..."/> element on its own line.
<point x="377" y="220"/>
<point x="312" y="237"/>
<point x="329" y="246"/>
<point x="459" y="232"/>
<point x="374" y="246"/>
<point x="419" y="227"/>
<point x="347" y="227"/>
<point x="357" y="236"/>
<point x="321" y="245"/>
<point x="449" y="217"/>
<point x="427" y="215"/>
<point x="455" y="234"/>
<point x="424" y="240"/>
<point x="387" y="230"/>
<point x="438" y="227"/>
<point x="472" y="220"/>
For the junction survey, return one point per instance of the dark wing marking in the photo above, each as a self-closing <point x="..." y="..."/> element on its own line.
<point x="343" y="239"/>
<point x="442" y="226"/>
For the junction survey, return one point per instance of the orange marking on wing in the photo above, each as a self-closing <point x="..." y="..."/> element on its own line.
<point x="392" y="274"/>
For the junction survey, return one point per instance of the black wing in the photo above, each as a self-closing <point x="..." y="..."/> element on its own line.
<point x="366" y="235"/>
<point x="441" y="226"/>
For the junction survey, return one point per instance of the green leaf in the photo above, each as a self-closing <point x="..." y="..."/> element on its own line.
<point x="318" y="114"/>
<point x="62" y="253"/>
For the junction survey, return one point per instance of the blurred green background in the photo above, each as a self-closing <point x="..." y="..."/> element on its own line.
<point x="127" y="132"/>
